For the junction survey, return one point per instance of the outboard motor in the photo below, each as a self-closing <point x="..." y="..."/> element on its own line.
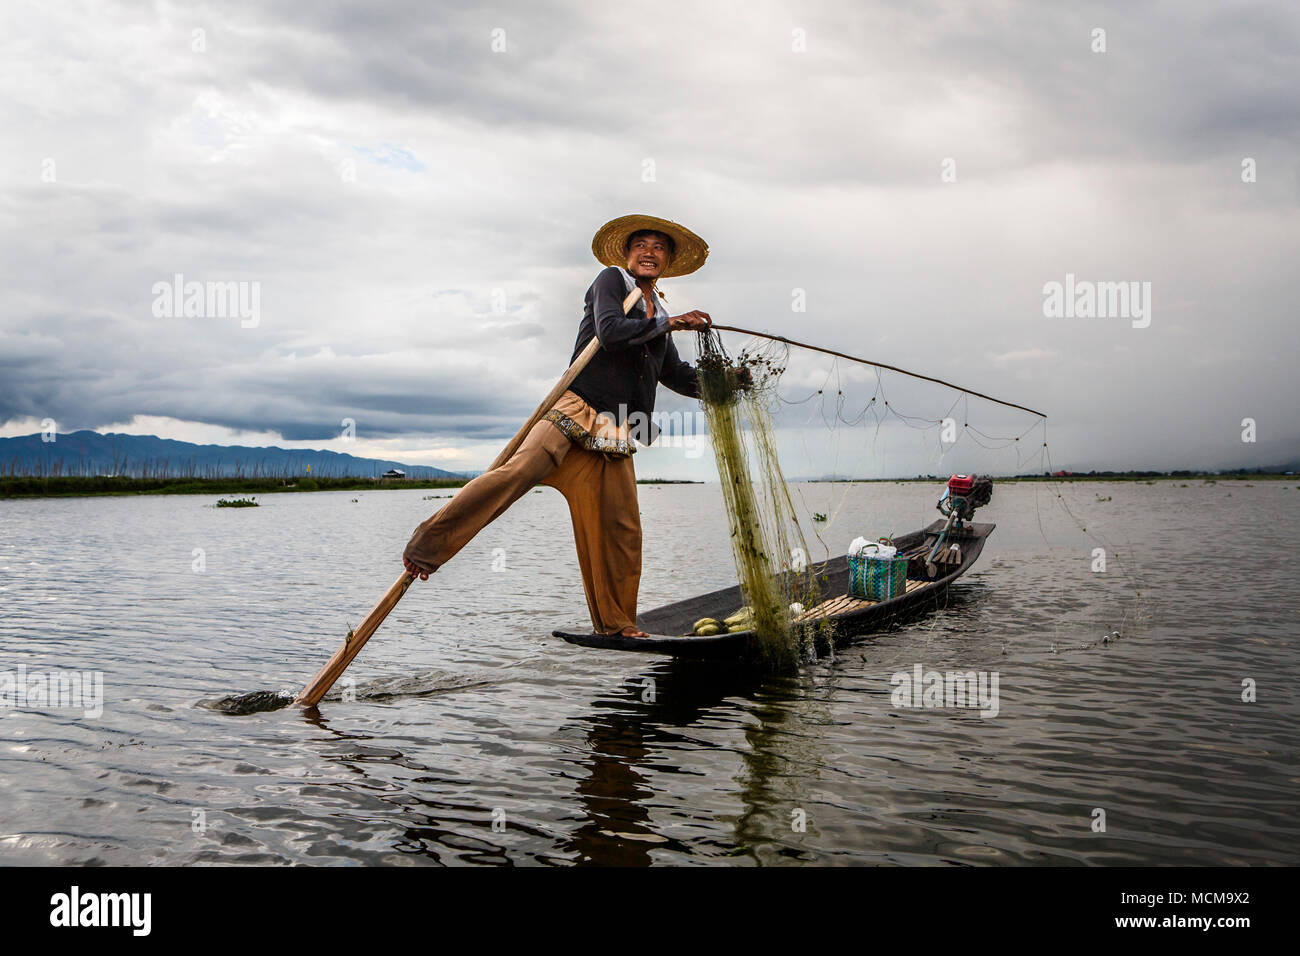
<point x="961" y="497"/>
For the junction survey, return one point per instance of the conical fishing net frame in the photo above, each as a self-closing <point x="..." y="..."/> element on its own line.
<point x="767" y="542"/>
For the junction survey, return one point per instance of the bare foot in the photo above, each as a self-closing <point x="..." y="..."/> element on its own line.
<point x="421" y="572"/>
<point x="632" y="631"/>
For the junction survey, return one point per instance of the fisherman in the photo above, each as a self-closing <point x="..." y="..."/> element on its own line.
<point x="583" y="446"/>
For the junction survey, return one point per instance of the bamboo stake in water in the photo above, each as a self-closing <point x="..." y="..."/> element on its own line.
<point x="319" y="685"/>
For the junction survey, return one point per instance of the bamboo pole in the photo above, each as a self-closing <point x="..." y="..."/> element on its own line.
<point x="352" y="644"/>
<point x="319" y="685"/>
<point x="560" y="388"/>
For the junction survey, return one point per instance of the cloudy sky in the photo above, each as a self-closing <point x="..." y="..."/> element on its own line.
<point x="413" y="188"/>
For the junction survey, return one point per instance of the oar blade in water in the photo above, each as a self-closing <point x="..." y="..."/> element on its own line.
<point x="259" y="701"/>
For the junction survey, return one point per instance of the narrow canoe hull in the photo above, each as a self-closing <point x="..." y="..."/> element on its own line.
<point x="850" y="617"/>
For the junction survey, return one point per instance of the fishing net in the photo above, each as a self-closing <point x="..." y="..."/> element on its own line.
<point x="841" y="420"/>
<point x="767" y="541"/>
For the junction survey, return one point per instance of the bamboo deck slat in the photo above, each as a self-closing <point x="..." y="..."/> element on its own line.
<point x="844" y="603"/>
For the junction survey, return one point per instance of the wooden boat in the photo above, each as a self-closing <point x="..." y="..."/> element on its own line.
<point x="670" y="626"/>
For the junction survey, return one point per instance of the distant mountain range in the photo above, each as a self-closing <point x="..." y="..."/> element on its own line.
<point x="90" y="453"/>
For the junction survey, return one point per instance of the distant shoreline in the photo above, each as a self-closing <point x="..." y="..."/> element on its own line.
<point x="15" y="486"/>
<point x="99" y="486"/>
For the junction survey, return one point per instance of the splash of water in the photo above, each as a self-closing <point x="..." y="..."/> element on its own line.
<point x="381" y="688"/>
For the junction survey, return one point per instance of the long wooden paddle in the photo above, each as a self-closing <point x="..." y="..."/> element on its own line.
<point x="560" y="388"/>
<point x="356" y="639"/>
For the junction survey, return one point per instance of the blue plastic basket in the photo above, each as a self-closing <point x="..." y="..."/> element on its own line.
<point x="877" y="579"/>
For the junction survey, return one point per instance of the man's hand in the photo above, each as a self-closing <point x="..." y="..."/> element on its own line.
<point x="694" y="320"/>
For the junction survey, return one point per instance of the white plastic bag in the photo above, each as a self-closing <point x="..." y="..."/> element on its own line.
<point x="862" y="548"/>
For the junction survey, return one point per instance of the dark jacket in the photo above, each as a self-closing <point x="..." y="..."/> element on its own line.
<point x="635" y="354"/>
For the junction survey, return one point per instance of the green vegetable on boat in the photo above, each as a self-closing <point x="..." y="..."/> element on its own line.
<point x="744" y="616"/>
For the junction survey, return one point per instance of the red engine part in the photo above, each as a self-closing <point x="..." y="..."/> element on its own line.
<point x="961" y="484"/>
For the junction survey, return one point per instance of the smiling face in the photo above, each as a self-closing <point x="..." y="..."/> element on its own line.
<point x="648" y="254"/>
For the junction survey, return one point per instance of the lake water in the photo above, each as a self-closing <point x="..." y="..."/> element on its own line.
<point x="476" y="738"/>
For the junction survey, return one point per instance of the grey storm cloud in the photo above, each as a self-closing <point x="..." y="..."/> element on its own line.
<point x="416" y="208"/>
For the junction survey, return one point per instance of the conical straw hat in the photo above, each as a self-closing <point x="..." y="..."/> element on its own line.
<point x="611" y="239"/>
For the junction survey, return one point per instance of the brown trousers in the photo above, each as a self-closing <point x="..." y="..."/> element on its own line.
<point x="601" y="492"/>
